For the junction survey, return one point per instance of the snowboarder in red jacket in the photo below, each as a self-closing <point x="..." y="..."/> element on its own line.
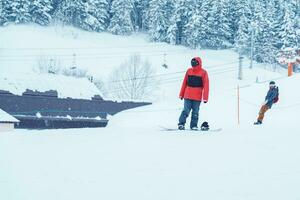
<point x="194" y="90"/>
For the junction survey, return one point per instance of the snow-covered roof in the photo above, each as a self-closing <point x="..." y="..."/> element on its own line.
<point x="78" y="88"/>
<point x="5" y="117"/>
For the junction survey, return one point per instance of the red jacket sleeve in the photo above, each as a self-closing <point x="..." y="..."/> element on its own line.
<point x="206" y="87"/>
<point x="181" y="94"/>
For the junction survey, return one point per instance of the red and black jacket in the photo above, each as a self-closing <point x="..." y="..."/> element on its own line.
<point x="195" y="85"/>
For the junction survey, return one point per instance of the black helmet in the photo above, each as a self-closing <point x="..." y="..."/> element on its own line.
<point x="194" y="62"/>
<point x="272" y="83"/>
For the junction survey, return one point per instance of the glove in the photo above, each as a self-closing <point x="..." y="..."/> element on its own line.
<point x="180" y="98"/>
<point x="204" y="101"/>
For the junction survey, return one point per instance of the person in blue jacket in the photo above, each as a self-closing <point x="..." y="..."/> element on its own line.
<point x="271" y="98"/>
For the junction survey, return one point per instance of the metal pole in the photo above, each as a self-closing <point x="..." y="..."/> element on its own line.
<point x="252" y="46"/>
<point x="238" y="104"/>
<point x="240" y="76"/>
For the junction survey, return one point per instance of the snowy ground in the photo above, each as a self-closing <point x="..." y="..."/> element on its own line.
<point x="133" y="159"/>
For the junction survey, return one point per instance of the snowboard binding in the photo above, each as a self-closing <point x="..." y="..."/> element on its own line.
<point x="204" y="126"/>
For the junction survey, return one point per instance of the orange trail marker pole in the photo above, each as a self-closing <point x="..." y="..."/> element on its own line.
<point x="290" y="69"/>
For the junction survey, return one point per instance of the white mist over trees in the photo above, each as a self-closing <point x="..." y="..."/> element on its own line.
<point x="206" y="24"/>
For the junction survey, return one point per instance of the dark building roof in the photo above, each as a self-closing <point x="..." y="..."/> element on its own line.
<point x="47" y="108"/>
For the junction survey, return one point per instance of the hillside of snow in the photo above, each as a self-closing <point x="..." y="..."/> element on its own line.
<point x="133" y="158"/>
<point x="99" y="54"/>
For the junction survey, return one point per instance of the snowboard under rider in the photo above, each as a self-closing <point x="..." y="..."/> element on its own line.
<point x="194" y="90"/>
<point x="270" y="99"/>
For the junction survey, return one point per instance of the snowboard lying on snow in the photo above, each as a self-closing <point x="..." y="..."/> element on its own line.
<point x="199" y="130"/>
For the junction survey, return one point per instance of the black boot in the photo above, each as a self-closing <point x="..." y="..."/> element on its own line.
<point x="181" y="127"/>
<point x="258" y="122"/>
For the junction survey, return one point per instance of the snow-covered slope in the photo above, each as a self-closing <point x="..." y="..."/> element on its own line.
<point x="133" y="159"/>
<point x="21" y="46"/>
<point x="222" y="109"/>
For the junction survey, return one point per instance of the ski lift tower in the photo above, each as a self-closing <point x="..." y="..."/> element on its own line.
<point x="164" y="65"/>
<point x="288" y="56"/>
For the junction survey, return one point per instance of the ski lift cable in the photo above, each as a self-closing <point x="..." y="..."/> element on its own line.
<point x="163" y="82"/>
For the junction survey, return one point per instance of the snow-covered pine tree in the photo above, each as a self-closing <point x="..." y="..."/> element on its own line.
<point x="121" y="21"/>
<point x="261" y="28"/>
<point x="80" y="13"/>
<point x="193" y="29"/>
<point x="209" y="25"/>
<point x="205" y="22"/>
<point x="289" y="32"/>
<point x="40" y="11"/>
<point x="218" y="27"/>
<point x="226" y="29"/>
<point x="141" y="15"/>
<point x="234" y="17"/>
<point x="268" y="47"/>
<point x="2" y="16"/>
<point x="242" y="39"/>
<point x="95" y="15"/>
<point x="71" y="12"/>
<point x="181" y="16"/>
<point x="275" y="8"/>
<point x="297" y="9"/>
<point x="16" y="11"/>
<point x="160" y="12"/>
<point x="237" y="9"/>
<point x="172" y="32"/>
<point x="101" y="12"/>
<point x="145" y="7"/>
